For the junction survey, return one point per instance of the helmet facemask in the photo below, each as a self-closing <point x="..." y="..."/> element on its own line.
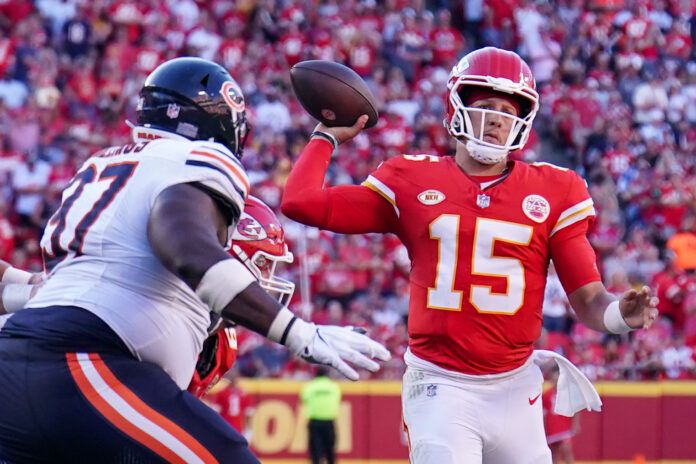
<point x="461" y="124"/>
<point x="263" y="265"/>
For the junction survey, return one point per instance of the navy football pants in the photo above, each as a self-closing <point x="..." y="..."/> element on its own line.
<point x="71" y="392"/>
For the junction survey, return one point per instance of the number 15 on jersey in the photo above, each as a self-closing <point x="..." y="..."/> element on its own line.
<point x="443" y="296"/>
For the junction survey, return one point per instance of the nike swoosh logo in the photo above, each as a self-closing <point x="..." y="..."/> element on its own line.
<point x="533" y="400"/>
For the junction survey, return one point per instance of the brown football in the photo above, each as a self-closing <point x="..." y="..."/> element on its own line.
<point x="333" y="93"/>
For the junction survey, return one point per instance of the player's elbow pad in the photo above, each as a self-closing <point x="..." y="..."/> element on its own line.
<point x="222" y="282"/>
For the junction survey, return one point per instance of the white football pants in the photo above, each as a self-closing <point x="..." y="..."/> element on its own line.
<point x="452" y="418"/>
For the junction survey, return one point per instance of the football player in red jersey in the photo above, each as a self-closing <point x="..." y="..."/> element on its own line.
<point x="258" y="241"/>
<point x="234" y="404"/>
<point x="480" y="231"/>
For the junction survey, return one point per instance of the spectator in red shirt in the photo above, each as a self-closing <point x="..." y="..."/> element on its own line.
<point x="234" y="404"/>
<point x="445" y="40"/>
<point x="7" y="240"/>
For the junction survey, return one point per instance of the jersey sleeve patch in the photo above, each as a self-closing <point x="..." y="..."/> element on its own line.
<point x="229" y="167"/>
<point x="385" y="192"/>
<point x="574" y="214"/>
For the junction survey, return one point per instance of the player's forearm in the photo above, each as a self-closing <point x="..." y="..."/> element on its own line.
<point x="304" y="198"/>
<point x="183" y="231"/>
<point x="590" y="303"/>
<point x="253" y="308"/>
<point x="15" y="287"/>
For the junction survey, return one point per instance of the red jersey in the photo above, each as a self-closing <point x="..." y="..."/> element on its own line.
<point x="479" y="257"/>
<point x="446" y="42"/>
<point x="233" y="404"/>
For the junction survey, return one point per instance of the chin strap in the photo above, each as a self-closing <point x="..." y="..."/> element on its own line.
<point x="485" y="155"/>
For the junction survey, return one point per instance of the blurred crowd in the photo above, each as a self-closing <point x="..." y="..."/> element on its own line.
<point x="617" y="80"/>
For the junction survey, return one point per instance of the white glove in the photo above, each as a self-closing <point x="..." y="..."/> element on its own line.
<point x="327" y="344"/>
<point x="334" y="345"/>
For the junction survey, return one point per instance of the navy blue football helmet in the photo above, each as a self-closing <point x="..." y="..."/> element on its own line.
<point x="197" y="99"/>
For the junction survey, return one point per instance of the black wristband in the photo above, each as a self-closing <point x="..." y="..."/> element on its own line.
<point x="287" y="330"/>
<point x="330" y="138"/>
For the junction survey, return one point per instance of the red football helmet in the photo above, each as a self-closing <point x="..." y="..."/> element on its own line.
<point x="259" y="242"/>
<point x="500" y="71"/>
<point x="216" y="358"/>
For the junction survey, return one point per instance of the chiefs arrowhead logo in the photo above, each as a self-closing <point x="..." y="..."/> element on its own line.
<point x="431" y="197"/>
<point x="249" y="228"/>
<point x="536" y="208"/>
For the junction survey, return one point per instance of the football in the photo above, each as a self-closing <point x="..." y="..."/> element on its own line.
<point x="333" y="93"/>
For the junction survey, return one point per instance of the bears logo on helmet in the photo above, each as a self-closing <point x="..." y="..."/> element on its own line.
<point x="232" y="94"/>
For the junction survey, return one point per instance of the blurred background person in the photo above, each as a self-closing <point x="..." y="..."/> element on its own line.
<point x="321" y="399"/>
<point x="233" y="403"/>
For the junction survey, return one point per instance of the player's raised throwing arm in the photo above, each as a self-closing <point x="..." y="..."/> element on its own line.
<point x="350" y="209"/>
<point x="187" y="230"/>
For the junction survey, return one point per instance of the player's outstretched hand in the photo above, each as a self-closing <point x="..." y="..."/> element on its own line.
<point x="336" y="347"/>
<point x="639" y="308"/>
<point x="343" y="134"/>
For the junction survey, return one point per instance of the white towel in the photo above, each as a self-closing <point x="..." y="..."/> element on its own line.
<point x="574" y="392"/>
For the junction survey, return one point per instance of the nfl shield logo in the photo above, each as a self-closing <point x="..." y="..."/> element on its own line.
<point x="173" y="111"/>
<point x="483" y="201"/>
<point x="431" y="390"/>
